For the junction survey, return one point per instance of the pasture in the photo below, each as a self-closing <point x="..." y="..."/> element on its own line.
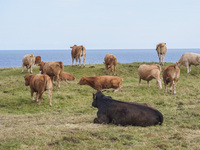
<point x="68" y="124"/>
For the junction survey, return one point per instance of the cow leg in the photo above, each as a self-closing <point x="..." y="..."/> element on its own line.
<point x="165" y="87"/>
<point x="148" y="83"/>
<point x="139" y="81"/>
<point x="22" y="67"/>
<point x="111" y="69"/>
<point x="106" y="68"/>
<point x="80" y="61"/>
<point x="118" y="89"/>
<point x="37" y="96"/>
<point x="188" y="68"/>
<point x="28" y="68"/>
<point x="159" y="58"/>
<point x="115" y="69"/>
<point x="102" y="119"/>
<point x="32" y="69"/>
<point x="40" y="96"/>
<point x="171" y="85"/>
<point x="50" y="95"/>
<point x="76" y="61"/>
<point x="72" y="61"/>
<point x="83" y="61"/>
<point x="163" y="58"/>
<point x="174" y="87"/>
<point x="32" y="95"/>
<point x="58" y="80"/>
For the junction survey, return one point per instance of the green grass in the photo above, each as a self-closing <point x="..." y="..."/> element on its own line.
<point x="68" y="124"/>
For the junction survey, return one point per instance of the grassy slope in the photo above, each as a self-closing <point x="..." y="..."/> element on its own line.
<point x="69" y="123"/>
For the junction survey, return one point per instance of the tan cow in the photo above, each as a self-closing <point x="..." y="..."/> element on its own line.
<point x="29" y="61"/>
<point x="39" y="83"/>
<point x="161" y="50"/>
<point x="149" y="72"/>
<point x="171" y="75"/>
<point x="109" y="61"/>
<point x="66" y="77"/>
<point x="188" y="59"/>
<point x="77" y="52"/>
<point x="102" y="82"/>
<point x="53" y="69"/>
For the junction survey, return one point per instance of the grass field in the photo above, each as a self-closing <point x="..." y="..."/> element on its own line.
<point x="68" y="124"/>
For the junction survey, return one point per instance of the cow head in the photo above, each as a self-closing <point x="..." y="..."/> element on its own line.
<point x="83" y="81"/>
<point x="41" y="64"/>
<point x="159" y="83"/>
<point x="73" y="46"/>
<point x="178" y="64"/>
<point x="37" y="60"/>
<point x="27" y="79"/>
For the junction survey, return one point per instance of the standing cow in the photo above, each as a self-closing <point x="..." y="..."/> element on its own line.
<point x="77" y="52"/>
<point x="53" y="69"/>
<point x="188" y="59"/>
<point x="109" y="61"/>
<point x="161" y="50"/>
<point x="171" y="75"/>
<point x="124" y="113"/>
<point x="102" y="82"/>
<point x="39" y="83"/>
<point x="149" y="72"/>
<point x="29" y="61"/>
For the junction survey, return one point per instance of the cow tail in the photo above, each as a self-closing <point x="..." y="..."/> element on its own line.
<point x="159" y="67"/>
<point x="45" y="82"/>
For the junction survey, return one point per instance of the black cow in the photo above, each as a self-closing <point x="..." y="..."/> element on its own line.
<point x="124" y="113"/>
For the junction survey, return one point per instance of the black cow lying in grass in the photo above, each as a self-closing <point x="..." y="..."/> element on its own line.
<point x="124" y="113"/>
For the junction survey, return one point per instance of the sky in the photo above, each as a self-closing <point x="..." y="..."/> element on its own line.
<point x="99" y="24"/>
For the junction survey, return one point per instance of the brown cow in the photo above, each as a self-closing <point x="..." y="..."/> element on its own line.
<point x="66" y="77"/>
<point x="110" y="60"/>
<point x="102" y="82"/>
<point x="171" y="75"/>
<point x="149" y="72"/>
<point x="188" y="59"/>
<point x="77" y="52"/>
<point x="161" y="50"/>
<point x="53" y="69"/>
<point x="29" y="61"/>
<point x="39" y="83"/>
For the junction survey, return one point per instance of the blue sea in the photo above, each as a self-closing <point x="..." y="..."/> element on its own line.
<point x="13" y="58"/>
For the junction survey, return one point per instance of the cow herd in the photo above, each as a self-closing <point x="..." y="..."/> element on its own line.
<point x="109" y="110"/>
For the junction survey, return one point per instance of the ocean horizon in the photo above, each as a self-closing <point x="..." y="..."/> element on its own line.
<point x="13" y="58"/>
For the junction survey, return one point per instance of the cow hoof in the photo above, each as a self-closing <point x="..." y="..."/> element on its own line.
<point x="96" y="120"/>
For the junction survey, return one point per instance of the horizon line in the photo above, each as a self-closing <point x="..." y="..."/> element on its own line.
<point x="93" y="49"/>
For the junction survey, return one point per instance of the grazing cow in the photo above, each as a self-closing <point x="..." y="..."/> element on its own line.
<point x="188" y="59"/>
<point x="77" y="52"/>
<point x="102" y="82"/>
<point x="171" y="75"/>
<point x="39" y="83"/>
<point x="149" y="72"/>
<point x="161" y="50"/>
<point x="29" y="61"/>
<point x="66" y="77"/>
<point x="53" y="69"/>
<point x="109" y="61"/>
<point x="124" y="113"/>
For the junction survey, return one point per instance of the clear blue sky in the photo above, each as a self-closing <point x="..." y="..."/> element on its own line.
<point x="99" y="24"/>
